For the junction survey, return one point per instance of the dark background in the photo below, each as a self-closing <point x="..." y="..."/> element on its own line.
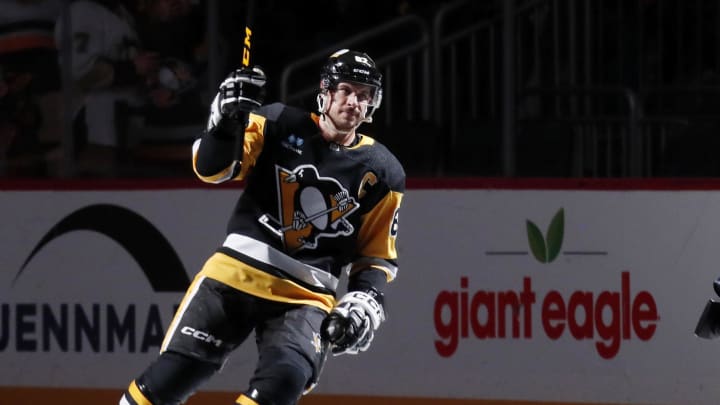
<point x="545" y="88"/>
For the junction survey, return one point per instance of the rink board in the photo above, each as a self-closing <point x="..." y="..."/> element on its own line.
<point x="33" y="396"/>
<point x="504" y="296"/>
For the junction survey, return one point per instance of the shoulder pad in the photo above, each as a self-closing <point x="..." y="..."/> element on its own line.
<point x="271" y="111"/>
<point x="387" y="165"/>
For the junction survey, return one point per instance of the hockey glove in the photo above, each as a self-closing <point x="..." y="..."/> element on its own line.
<point x="243" y="90"/>
<point x="350" y="326"/>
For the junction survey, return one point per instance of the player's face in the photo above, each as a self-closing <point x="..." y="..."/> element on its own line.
<point x="349" y="103"/>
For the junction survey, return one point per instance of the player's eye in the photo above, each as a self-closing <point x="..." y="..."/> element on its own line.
<point x="363" y="97"/>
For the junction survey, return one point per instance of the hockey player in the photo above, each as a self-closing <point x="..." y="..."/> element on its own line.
<point x="320" y="198"/>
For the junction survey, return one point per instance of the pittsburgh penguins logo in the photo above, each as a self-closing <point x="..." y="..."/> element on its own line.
<point x="310" y="207"/>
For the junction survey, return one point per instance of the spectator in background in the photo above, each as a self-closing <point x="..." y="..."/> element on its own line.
<point x="172" y="109"/>
<point x="30" y="107"/>
<point x="20" y="118"/>
<point x="109" y="71"/>
<point x="175" y="30"/>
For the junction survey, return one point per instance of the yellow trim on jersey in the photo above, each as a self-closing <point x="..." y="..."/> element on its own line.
<point x="137" y="395"/>
<point x="189" y="294"/>
<point x="251" y="280"/>
<point x="377" y="264"/>
<point x="244" y="400"/>
<point x="253" y="142"/>
<point x="364" y="141"/>
<point x="374" y="237"/>
<point x="220" y="177"/>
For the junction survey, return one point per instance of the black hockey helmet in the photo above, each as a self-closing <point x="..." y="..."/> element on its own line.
<point x="352" y="66"/>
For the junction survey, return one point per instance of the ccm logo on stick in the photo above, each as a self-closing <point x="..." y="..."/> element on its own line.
<point x="200" y="335"/>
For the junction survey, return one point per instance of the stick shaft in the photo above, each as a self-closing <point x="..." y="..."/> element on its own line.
<point x="247" y="43"/>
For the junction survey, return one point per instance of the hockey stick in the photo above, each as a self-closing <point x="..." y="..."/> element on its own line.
<point x="248" y="33"/>
<point x="247" y="44"/>
<point x="278" y="229"/>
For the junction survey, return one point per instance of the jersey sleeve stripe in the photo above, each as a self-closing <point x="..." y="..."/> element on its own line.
<point x="376" y="237"/>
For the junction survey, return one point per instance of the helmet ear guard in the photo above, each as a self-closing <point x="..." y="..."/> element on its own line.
<point x="323" y="101"/>
<point x="374" y="105"/>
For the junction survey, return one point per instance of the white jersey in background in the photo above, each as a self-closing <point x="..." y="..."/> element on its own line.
<point x="102" y="40"/>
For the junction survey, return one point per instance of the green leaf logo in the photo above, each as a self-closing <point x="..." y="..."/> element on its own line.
<point x="537" y="243"/>
<point x="546" y="249"/>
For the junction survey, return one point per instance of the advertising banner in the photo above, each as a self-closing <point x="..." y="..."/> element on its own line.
<point x="552" y="296"/>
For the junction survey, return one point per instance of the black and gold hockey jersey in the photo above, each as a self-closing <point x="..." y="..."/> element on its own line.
<point x="310" y="209"/>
